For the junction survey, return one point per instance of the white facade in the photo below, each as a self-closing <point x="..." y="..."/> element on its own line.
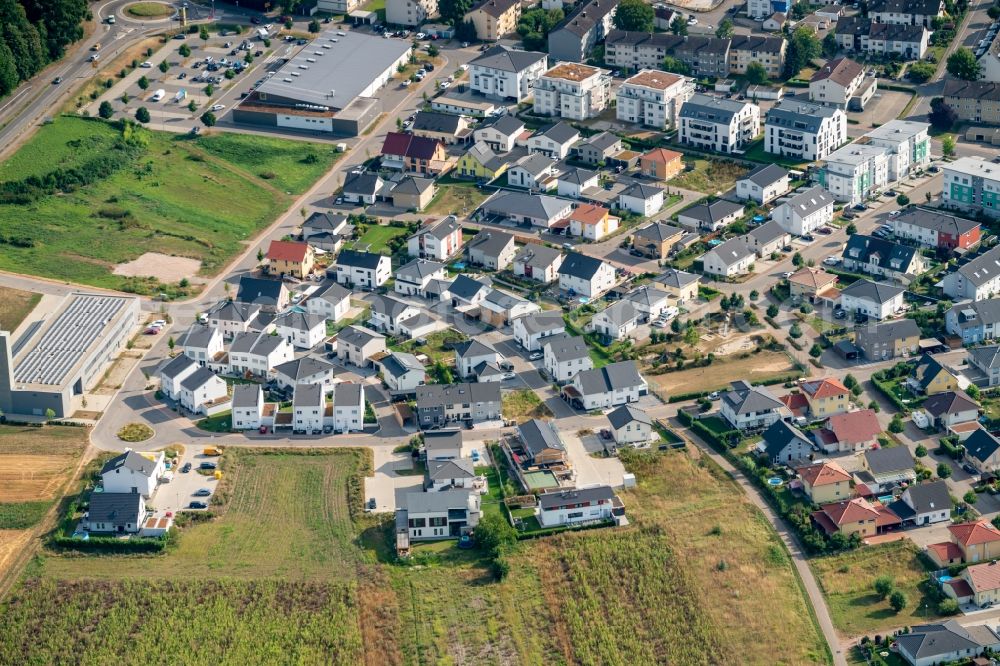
<point x="871" y="307"/>
<point x="196" y="398"/>
<point x="725" y="135"/>
<point x="611" y="327"/>
<point x="639" y="205"/>
<point x="574" y="187"/>
<point x="573" y="91"/>
<point x="504" y="84"/>
<point x="349" y="416"/>
<point x="977" y="280"/>
<point x="533" y="341"/>
<point x="327" y="306"/>
<point x="307" y="417"/>
<point x="599" y="283"/>
<point x="732" y="258"/>
<point x="303" y="338"/>
<point x="748" y="189"/>
<point x="618" y="396"/>
<point x="805" y="139"/>
<point x="436" y="243"/>
<point x="249" y="417"/>
<point x="540" y="143"/>
<point x="855" y="172"/>
<point x="653" y="98"/>
<point x="805" y="212"/>
<point x="563" y="370"/>
<point x="260" y="358"/>
<point x="365" y="277"/>
<point x="205" y="350"/>
<point x="408" y="12"/>
<point x="124" y="479"/>
<point x="908" y="145"/>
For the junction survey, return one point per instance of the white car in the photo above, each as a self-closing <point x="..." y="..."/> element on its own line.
<point x="218" y="107"/>
<point x="444" y="84"/>
<point x="421" y="35"/>
<point x="787" y="274"/>
<point x="831" y="261"/>
<point x="895" y="213"/>
<point x="692" y="21"/>
<point x="146" y="65"/>
<point x="509" y="375"/>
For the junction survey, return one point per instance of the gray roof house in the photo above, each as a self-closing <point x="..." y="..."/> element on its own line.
<point x="466" y="291"/>
<point x="362" y="187"/>
<point x="562" y="134"/>
<point x="711" y="216"/>
<point x="598" y="148"/>
<point x="573" y="38"/>
<point x="785" y="444"/>
<point x="945" y="642"/>
<point x="872" y="298"/>
<point x="440" y="405"/>
<point x="804" y="130"/>
<point x="987" y="360"/>
<point x="270" y="295"/>
<point x="523" y="208"/>
<point x="442" y="474"/>
<point x="491" y="248"/>
<point x="981" y="448"/>
<point x="541" y="442"/>
<point x="924" y="503"/>
<point x="304" y="370"/>
<point x="975" y="321"/>
<point x="888" y="339"/>
<point x="767" y="238"/>
<point x="614" y="384"/>
<point x="401" y="371"/>
<point x="734" y="257"/>
<point x="538" y="262"/>
<point x="879" y="257"/>
<point x="749" y="407"/>
<point x="116" y="513"/>
<point x="764" y="184"/>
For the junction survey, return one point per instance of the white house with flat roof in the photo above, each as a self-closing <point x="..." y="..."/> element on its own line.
<point x="855" y="172"/>
<point x="572" y="90"/>
<point x="653" y="98"/>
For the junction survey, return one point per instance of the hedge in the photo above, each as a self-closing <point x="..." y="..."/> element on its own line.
<point x="110" y="545"/>
<point x="886" y="390"/>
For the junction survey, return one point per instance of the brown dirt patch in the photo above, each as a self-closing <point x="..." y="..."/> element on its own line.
<point x="755" y="368"/>
<point x="11" y="543"/>
<point x="160" y="266"/>
<point x="32" y="477"/>
<point x="15" y="305"/>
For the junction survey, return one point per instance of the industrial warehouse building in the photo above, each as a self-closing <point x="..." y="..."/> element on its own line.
<point x="329" y="86"/>
<point x="63" y="353"/>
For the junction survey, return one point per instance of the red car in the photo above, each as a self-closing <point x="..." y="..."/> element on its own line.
<point x="152" y="330"/>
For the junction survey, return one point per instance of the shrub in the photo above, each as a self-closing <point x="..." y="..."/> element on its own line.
<point x="142" y="114"/>
<point x="884" y="586"/>
<point x="920" y="451"/>
<point x="947" y="607"/>
<point x="943" y="470"/>
<point x="898" y="600"/>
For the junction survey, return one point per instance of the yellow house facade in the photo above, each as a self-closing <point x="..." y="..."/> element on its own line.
<point x="480" y="165"/>
<point x="494" y="18"/>
<point x="826" y="482"/>
<point x="826" y="397"/>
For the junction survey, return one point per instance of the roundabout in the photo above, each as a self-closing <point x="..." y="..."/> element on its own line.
<point x="148" y="11"/>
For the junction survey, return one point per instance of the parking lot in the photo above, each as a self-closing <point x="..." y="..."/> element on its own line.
<point x="211" y="78"/>
<point x="180" y="491"/>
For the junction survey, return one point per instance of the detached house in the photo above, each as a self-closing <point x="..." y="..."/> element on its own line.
<point x="565" y="356"/>
<point x="882" y="258"/>
<point x="202" y="392"/>
<point x="764" y="184"/>
<point x="301" y="329"/>
<point x="527" y="209"/>
<point x="825" y="482"/>
<point x="592" y="222"/>
<point x="583" y="275"/>
<point x="576" y="506"/>
<point x="616" y="321"/>
<point x="330" y="300"/>
<point x="290" y="258"/>
<point x="711" y="216"/>
<point x="415" y="154"/>
<point x="842" y="82"/>
<point x="983" y="450"/>
<point x="575" y="182"/>
<point x="812" y="284"/>
<point x="533" y="172"/>
<point x="614" y="384"/>
<point x="201" y="343"/>
<point x="784" y="444"/>
<point x="302" y="370"/>
<point x="826" y="397"/>
<point x="856" y="516"/>
<point x="357" y="344"/>
<point x="877" y="300"/>
<point x="531" y="330"/>
<point x="505" y="73"/>
<point x="883" y="470"/>
<point x="232" y="317"/>
<point x="969" y="543"/>
<point x="413" y="278"/>
<point x="133" y="472"/>
<point x="447" y="514"/>
<point x="499" y="308"/>
<point x="499" y="133"/>
<point x="951" y="408"/>
<point x="681" y="286"/>
<point x="401" y="371"/>
<point x="598" y="149"/>
<point x="888" y="339"/>
<point x="445" y="127"/>
<point x="949" y="641"/>
<point x="641" y="199"/>
<point x="491" y="249"/>
<point x="661" y="164"/>
<point x="538" y="262"/>
<point x="437" y="241"/>
<point x="365" y="270"/>
<point x="804" y="212"/>
<point x="472" y="355"/>
<point x="266" y="295"/>
<point x="924" y="504"/>
<point x="977" y="280"/>
<point x="656" y="240"/>
<point x="387" y="313"/>
<point x="767" y="239"/>
<point x="542" y="445"/>
<point x="554" y="141"/>
<point x="732" y="258"/>
<point x="630" y="425"/>
<point x="748" y="407"/>
<point x="930" y="377"/>
<point x="362" y="187"/>
<point x="850" y="431"/>
<point x="480" y="162"/>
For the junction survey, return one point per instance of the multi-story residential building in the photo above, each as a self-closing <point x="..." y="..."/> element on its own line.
<point x="856" y="33"/>
<point x="907" y="143"/>
<point x="826" y="396"/>
<point x="437" y="241"/>
<point x="499" y="133"/>
<point x="586" y="276"/>
<point x="653" y="98"/>
<point x="589" y="22"/>
<point x="506" y="73"/>
<point x="538" y="262"/>
<point x="972" y="184"/>
<point x="494" y="18"/>
<point x="290" y="258"/>
<point x="891" y="339"/>
<point x="936" y="230"/>
<point x="257" y="353"/>
<point x="357" y="344"/>
<point x="409" y="12"/>
<point x="641" y="199"/>
<point x="805" y="211"/>
<point x="616" y="321"/>
<point x="415" y="154"/>
<point x="232" y="317"/>
<point x="348" y="407"/>
<point x="974" y="322"/>
<point x="882" y="258"/>
<point x="805" y="131"/>
<point x="447" y="514"/>
<point x="202" y="343"/>
<point x="764" y="184"/>
<point x="572" y="90"/>
<point x="761" y="49"/>
<point x="855" y="172"/>
<point x="906" y="12"/>
<point x="975" y="101"/>
<point x="722" y="125"/>
<point x="661" y="164"/>
<point x="533" y="172"/>
<point x="638" y="50"/>
<point x="387" y="313"/>
<point x="366" y="270"/>
<point x="705" y="56"/>
<point x="302" y="330"/>
<point x="564" y="356"/>
<point x="442" y="404"/>
<point x="248" y="406"/>
<point x="532" y="330"/>
<point x="842" y="82"/>
<point x="977" y="280"/>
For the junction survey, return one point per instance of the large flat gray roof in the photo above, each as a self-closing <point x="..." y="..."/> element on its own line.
<point x="67" y="338"/>
<point x="344" y="63"/>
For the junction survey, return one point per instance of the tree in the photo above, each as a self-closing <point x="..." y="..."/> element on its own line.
<point x="872" y="405"/>
<point x="433" y="51"/>
<point x="50" y="413"/>
<point x="948" y="145"/>
<point x="634" y="15"/>
<point x="815" y="351"/>
<point x="671" y="64"/>
<point x="896" y="424"/>
<point x="921" y="71"/>
<point x="973" y="391"/>
<point x="143" y="83"/>
<point x="795" y="332"/>
<point x="164" y="66"/>
<point x="466" y="31"/>
<point x="962" y="64"/>
<point x="106" y="110"/>
<point x="920" y="451"/>
<point x="208" y="119"/>
<point x="184" y="51"/>
<point x="679" y="26"/>
<point x="884" y="586"/>
<point x="142" y="114"/>
<point x="725" y="29"/>
<point x="754" y="294"/>
<point x="850" y="381"/>
<point x="495" y="535"/>
<point x="943" y="470"/>
<point x="898" y="600"/>
<point x="314" y="26"/>
<point x="756" y="74"/>
<point x="949" y="606"/>
<point x="903" y="200"/>
<point x="942" y="116"/>
<point x="675" y="325"/>
<point x="230" y="74"/>
<point x="851" y="229"/>
<point x="830" y="47"/>
<point x="203" y="33"/>
<point x="970" y="497"/>
<point x="802" y="47"/>
<point x="857" y="390"/>
<point x="691" y="335"/>
<point x="260" y="255"/>
<point x="993" y="12"/>
<point x="171" y="343"/>
<point x="797" y="260"/>
<point x="453" y="11"/>
<point x="772" y="310"/>
<point x="192" y="105"/>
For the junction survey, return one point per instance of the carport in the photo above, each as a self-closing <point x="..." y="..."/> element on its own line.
<point x="360" y="17"/>
<point x="846" y="350"/>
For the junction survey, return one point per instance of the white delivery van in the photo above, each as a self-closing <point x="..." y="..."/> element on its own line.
<point x="158" y="95"/>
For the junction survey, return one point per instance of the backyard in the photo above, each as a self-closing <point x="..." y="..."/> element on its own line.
<point x="438" y="346"/>
<point x="15" y="305"/>
<point x="85" y="196"/>
<point x="376" y="238"/>
<point x="709" y="176"/>
<point x="848" y="581"/>
<point x="455" y="196"/>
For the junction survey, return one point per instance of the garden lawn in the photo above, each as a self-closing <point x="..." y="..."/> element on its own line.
<point x="456" y="197"/>
<point x="15" y="305"/>
<point x="848" y="581"/>
<point x="436" y="346"/>
<point x="709" y="175"/>
<point x="376" y="238"/>
<point x="174" y="197"/>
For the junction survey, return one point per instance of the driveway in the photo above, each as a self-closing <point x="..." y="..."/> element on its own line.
<point x="176" y="495"/>
<point x="591" y="471"/>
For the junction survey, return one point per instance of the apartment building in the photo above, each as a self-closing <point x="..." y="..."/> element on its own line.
<point x="855" y="172"/>
<point x="908" y="144"/>
<point x="906" y="12"/>
<point x="653" y="98"/>
<point x="573" y="38"/>
<point x="972" y="184"/>
<point x="975" y="101"/>
<point x="572" y="90"/>
<point x="842" y="82"/>
<point x="767" y="51"/>
<point x="409" y="12"/>
<point x="803" y="130"/>
<point x="494" y="18"/>
<point x="717" y="124"/>
<point x="505" y="73"/>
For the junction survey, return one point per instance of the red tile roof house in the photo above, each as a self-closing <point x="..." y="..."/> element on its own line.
<point x="973" y="542"/>
<point x="856" y="516"/>
<point x="415" y="154"/>
<point x="853" y="431"/>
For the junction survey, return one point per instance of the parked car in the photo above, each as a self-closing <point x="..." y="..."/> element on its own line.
<point x="860" y="207"/>
<point x="152" y="330"/>
<point x="186" y="468"/>
<point x="714" y="395"/>
<point x="825" y="230"/>
<point x="197" y="505"/>
<point x="146" y="65"/>
<point x="535" y="355"/>
<point x="202" y="492"/>
<point x="968" y="467"/>
<point x="831" y="261"/>
<point x="218" y="107"/>
<point x="509" y="375"/>
<point x="208" y="465"/>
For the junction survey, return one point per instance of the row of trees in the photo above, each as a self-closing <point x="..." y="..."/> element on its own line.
<point x="34" y="33"/>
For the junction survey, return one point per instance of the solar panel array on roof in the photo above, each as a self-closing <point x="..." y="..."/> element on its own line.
<point x="67" y="338"/>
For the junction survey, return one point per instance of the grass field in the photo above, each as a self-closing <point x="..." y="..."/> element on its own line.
<point x="15" y="305"/>
<point x="709" y="176"/>
<point x="437" y="346"/>
<point x="149" y="9"/>
<point x="199" y="198"/>
<point x="279" y="577"/>
<point x="755" y="368"/>
<point x="376" y="238"/>
<point x="458" y="197"/>
<point x="523" y="404"/>
<point x="848" y="579"/>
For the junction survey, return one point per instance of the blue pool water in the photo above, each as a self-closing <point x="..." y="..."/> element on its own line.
<point x="885" y="499"/>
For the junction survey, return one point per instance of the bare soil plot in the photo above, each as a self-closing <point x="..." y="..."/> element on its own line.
<point x="15" y="305"/>
<point x="35" y="462"/>
<point x="160" y="266"/>
<point x="754" y="368"/>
